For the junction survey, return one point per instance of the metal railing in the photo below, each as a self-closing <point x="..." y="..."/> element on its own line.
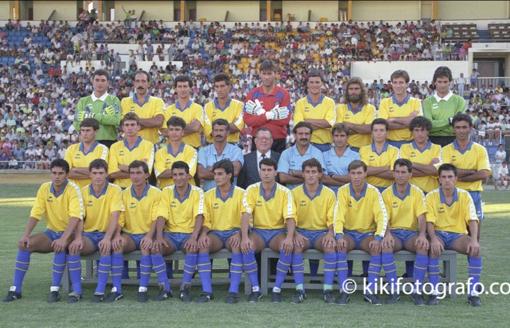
<point x="492" y="82"/>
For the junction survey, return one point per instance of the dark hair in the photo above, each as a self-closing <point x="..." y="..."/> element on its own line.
<point x="267" y="65"/>
<point x="339" y="127"/>
<point x="357" y="164"/>
<point x="447" y="167"/>
<point x="400" y="73"/>
<point x="268" y="162"/>
<point x="314" y="73"/>
<point x="101" y="72"/>
<point x="176" y="121"/>
<point x="302" y="124"/>
<point x="180" y="165"/>
<point x="420" y="122"/>
<point x="461" y="117"/>
<point x="380" y="121"/>
<point x="98" y="163"/>
<point x="442" y="71"/>
<point x="358" y="81"/>
<point x="141" y="71"/>
<point x="183" y="78"/>
<point x="226" y="165"/>
<point x="403" y="162"/>
<point x="221" y="77"/>
<point x="312" y="162"/>
<point x="90" y="123"/>
<point x="221" y="121"/>
<point x="59" y="162"/>
<point x="130" y="116"/>
<point x="263" y="129"/>
<point x="136" y="164"/>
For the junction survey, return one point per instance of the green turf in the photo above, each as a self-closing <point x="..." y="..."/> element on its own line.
<point x="33" y="311"/>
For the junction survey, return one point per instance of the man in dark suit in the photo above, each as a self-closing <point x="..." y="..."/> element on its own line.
<point x="250" y="171"/>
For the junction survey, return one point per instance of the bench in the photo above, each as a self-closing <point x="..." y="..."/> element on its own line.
<point x="89" y="273"/>
<point x="449" y="259"/>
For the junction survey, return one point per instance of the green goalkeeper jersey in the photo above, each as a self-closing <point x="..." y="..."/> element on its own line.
<point x="106" y="112"/>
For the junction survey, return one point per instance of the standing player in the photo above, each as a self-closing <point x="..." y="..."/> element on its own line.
<point x="471" y="161"/>
<point x="314" y="204"/>
<point x="318" y="110"/>
<point x="406" y="208"/>
<point x="270" y="208"/>
<point x="180" y="219"/>
<point x="80" y="155"/>
<point x="191" y="112"/>
<point x="148" y="108"/>
<point x="99" y="229"/>
<point x="217" y="151"/>
<point x="174" y="151"/>
<point x="223" y="106"/>
<point x="131" y="147"/>
<point x="399" y="109"/>
<point x="356" y="113"/>
<point x="442" y="106"/>
<point x="103" y="107"/>
<point x="379" y="156"/>
<point x="452" y="224"/>
<point x="360" y="222"/>
<point x="60" y="202"/>
<point x="268" y="106"/>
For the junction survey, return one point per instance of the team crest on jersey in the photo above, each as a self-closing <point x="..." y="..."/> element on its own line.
<point x="258" y="203"/>
<point x="394" y="204"/>
<point x="441" y="209"/>
<point x="90" y="203"/>
<point x="391" y="109"/>
<point x="132" y="205"/>
<point x="371" y="158"/>
<point x="413" y="154"/>
<point x="49" y="199"/>
<point x="350" y="203"/>
<point x="216" y="206"/>
<point x="454" y="158"/>
<point x="303" y="203"/>
<point x="121" y="153"/>
<point x="173" y="204"/>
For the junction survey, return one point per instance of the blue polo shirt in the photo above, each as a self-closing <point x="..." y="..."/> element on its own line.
<point x="291" y="159"/>
<point x="207" y="156"/>
<point x="337" y="165"/>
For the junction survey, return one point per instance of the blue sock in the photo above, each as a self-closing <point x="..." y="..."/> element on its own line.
<point x="298" y="269"/>
<point x="434" y="272"/>
<point x="204" y="272"/>
<point x="282" y="267"/>
<point x="59" y="265"/>
<point x="159" y="267"/>
<point x="409" y="269"/>
<point x="390" y="270"/>
<point x="341" y="268"/>
<point x="20" y="268"/>
<point x="117" y="269"/>
<point x="74" y="267"/>
<point x="420" y="268"/>
<point x="103" y="271"/>
<point x="236" y="270"/>
<point x="145" y="270"/>
<point x="250" y="268"/>
<point x="190" y="264"/>
<point x="474" y="272"/>
<point x="329" y="270"/>
<point x="374" y="268"/>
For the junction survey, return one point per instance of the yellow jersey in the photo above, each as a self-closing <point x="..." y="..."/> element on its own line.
<point x="314" y="212"/>
<point x="224" y="214"/>
<point x="365" y="114"/>
<point x="139" y="212"/>
<point x="99" y="208"/>
<point x="423" y="156"/>
<point x="324" y="109"/>
<point x="233" y="113"/>
<point x="391" y="108"/>
<point x="386" y="157"/>
<point x="181" y="214"/>
<point x="403" y="210"/>
<point x="121" y="154"/>
<point x="192" y="111"/>
<point x="151" y="107"/>
<point x="165" y="158"/>
<point x="76" y="156"/>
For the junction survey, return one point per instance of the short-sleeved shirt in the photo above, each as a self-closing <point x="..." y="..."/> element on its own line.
<point x="386" y="157"/>
<point x="120" y="153"/>
<point x="207" y="156"/>
<point x="99" y="208"/>
<point x="232" y="112"/>
<point x="391" y="108"/>
<point x="324" y="109"/>
<point x="108" y="121"/>
<point x="291" y="159"/>
<point x="337" y="165"/>
<point x="192" y="111"/>
<point x="165" y="158"/>
<point x="365" y="114"/>
<point x="76" y="156"/>
<point x="139" y="212"/>
<point x="150" y="108"/>
<point x="224" y="214"/>
<point x="181" y="213"/>
<point x="314" y="212"/>
<point x="423" y="156"/>
<point x="404" y="209"/>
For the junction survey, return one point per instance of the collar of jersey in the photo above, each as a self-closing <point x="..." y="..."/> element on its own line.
<point x="137" y="143"/>
<point x="309" y="99"/>
<point x="178" y="105"/>
<point x="271" y="195"/>
<point x="442" y="197"/>
<point x="401" y="196"/>
<point x="102" y="98"/>
<point x="362" y="194"/>
<point x="217" y="104"/>
<point x="457" y="147"/>
<point x="400" y="104"/>
<point x="385" y="148"/>
<point x="144" y="193"/>
<point x="180" y="150"/>
<point x="229" y="194"/>
<point x="91" y="149"/>
<point x="93" y="193"/>
<point x="186" y="194"/>
<point x="54" y="192"/>
<point x="145" y="99"/>
<point x="317" y="193"/>
<point x="428" y="145"/>
<point x="355" y="110"/>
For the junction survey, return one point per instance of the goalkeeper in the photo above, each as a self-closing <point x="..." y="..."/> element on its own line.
<point x="101" y="106"/>
<point x="268" y="106"/>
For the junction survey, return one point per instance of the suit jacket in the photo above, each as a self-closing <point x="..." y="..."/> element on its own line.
<point x="250" y="172"/>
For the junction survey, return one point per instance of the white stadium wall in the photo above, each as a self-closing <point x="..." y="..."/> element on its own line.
<point x="5" y="8"/>
<point x="238" y="10"/>
<point x="64" y="10"/>
<point x="153" y="9"/>
<point x="418" y="70"/>
<point x="473" y="9"/>
<point x="386" y="10"/>
<point x="299" y="9"/>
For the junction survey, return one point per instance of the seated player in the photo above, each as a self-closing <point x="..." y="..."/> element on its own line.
<point x="452" y="223"/>
<point x="180" y="219"/>
<point x="314" y="204"/>
<point x="138" y="222"/>
<point x="271" y="210"/>
<point x="360" y="222"/>
<point x="60" y="202"/>
<point x="407" y="228"/>
<point x="99" y="229"/>
<point x="223" y="207"/>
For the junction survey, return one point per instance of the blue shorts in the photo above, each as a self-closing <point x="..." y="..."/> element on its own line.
<point x="137" y="238"/>
<point x="322" y="147"/>
<point x="397" y="143"/>
<point x="357" y="236"/>
<point x="224" y="235"/>
<point x="403" y="235"/>
<point x="53" y="235"/>
<point x="477" y="200"/>
<point x="268" y="234"/>
<point x="312" y="235"/>
<point x="448" y="237"/>
<point x="95" y="237"/>
<point x="177" y="238"/>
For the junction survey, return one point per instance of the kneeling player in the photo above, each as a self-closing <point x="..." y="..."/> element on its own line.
<point x="180" y="219"/>
<point x="99" y="230"/>
<point x="450" y="215"/>
<point x="271" y="209"/>
<point x="315" y="204"/>
<point x="407" y="227"/>
<point x="60" y="202"/>
<point x="360" y="222"/>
